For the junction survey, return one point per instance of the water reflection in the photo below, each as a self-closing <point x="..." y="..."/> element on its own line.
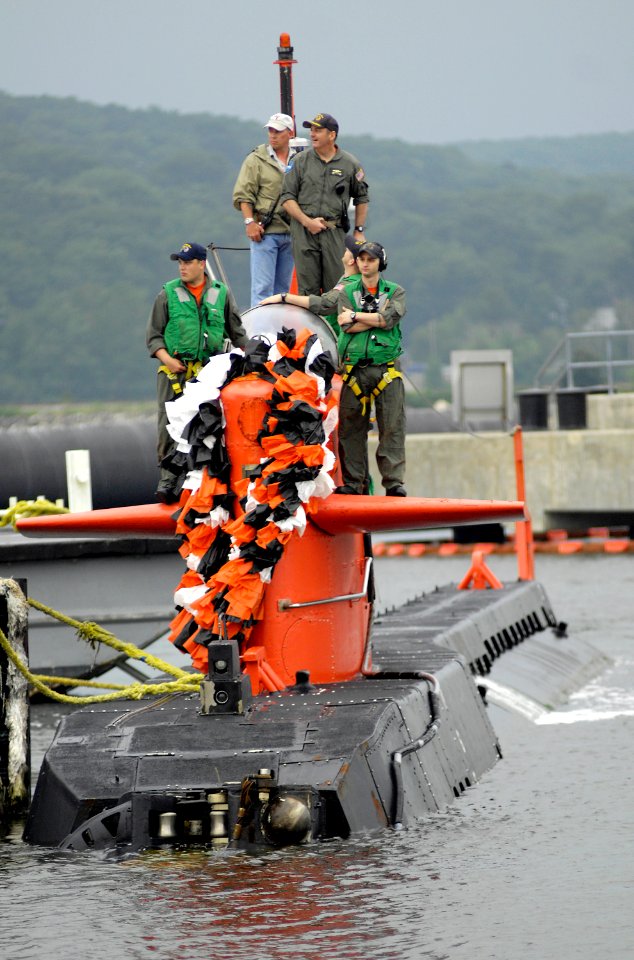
<point x="515" y="869"/>
<point x="315" y="901"/>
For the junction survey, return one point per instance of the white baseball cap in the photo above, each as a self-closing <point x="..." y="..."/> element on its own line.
<point x="280" y="121"/>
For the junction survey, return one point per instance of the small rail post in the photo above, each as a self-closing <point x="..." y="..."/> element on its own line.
<point x="15" y="752"/>
<point x="78" y="478"/>
<point x="524" y="543"/>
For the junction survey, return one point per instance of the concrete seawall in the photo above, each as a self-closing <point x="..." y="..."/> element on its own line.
<point x="571" y="470"/>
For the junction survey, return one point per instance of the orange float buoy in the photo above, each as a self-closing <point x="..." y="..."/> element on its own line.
<point x="617" y="546"/>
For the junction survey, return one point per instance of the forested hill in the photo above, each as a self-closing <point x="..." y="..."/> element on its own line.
<point x="581" y="155"/>
<point x="492" y="254"/>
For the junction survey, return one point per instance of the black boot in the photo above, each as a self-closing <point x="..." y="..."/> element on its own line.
<point x="166" y="492"/>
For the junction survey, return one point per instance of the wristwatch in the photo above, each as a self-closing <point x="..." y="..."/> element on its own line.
<point x="248" y="221"/>
<point x="283" y="297"/>
<point x="353" y="317"/>
<point x="359" y="229"/>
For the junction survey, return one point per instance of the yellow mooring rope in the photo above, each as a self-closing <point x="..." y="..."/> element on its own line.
<point x="91" y="632"/>
<point x="29" y="508"/>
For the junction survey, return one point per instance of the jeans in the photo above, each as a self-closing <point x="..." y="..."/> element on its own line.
<point x="271" y="266"/>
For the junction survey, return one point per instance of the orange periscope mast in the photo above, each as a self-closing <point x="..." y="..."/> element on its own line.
<point x="315" y="614"/>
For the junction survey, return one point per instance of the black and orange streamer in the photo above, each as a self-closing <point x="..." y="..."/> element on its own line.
<point x="230" y="560"/>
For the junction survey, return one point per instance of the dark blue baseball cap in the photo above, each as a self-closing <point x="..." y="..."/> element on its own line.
<point x="322" y="120"/>
<point x="190" y="251"/>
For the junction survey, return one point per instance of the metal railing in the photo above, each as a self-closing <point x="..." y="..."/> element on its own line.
<point x="611" y="351"/>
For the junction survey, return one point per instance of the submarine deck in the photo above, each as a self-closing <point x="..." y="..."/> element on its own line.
<point x="338" y="740"/>
<point x="481" y="626"/>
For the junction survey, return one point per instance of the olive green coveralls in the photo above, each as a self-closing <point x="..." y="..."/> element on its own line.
<point x="322" y="189"/>
<point x="369" y="363"/>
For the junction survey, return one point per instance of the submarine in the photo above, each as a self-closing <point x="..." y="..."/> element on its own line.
<point x="308" y="718"/>
<point x="312" y="719"/>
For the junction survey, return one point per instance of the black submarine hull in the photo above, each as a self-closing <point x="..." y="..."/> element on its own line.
<point x="310" y="763"/>
<point x="129" y="777"/>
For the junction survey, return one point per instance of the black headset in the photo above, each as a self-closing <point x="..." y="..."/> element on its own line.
<point x="382" y="258"/>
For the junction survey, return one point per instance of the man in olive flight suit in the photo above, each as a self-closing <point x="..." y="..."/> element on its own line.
<point x="316" y="191"/>
<point x="193" y="319"/>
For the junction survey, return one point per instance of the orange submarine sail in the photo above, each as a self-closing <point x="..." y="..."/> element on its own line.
<point x="295" y="585"/>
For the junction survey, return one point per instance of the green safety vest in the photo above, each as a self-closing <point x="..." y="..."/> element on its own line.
<point x="193" y="332"/>
<point x="331" y="318"/>
<point x="376" y="345"/>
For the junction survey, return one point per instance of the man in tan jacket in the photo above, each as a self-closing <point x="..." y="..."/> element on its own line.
<point x="256" y="195"/>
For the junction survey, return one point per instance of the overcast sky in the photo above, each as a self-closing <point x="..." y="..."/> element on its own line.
<point x="425" y="72"/>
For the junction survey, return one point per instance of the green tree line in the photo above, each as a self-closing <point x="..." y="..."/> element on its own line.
<point x="501" y="248"/>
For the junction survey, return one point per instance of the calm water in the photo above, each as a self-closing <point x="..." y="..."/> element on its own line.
<point x="533" y="863"/>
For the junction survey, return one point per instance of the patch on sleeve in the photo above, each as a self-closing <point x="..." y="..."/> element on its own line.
<point x="338" y="286"/>
<point x="360" y="174"/>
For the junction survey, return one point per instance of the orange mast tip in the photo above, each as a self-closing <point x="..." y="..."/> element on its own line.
<point x="285" y="39"/>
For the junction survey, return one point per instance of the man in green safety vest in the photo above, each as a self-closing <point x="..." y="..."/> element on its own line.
<point x="193" y="318"/>
<point x="370" y="310"/>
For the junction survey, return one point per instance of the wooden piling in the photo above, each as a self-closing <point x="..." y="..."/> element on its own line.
<point x="15" y="753"/>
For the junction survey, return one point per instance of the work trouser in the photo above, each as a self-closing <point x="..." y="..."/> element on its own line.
<point x="317" y="258"/>
<point x="355" y="422"/>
